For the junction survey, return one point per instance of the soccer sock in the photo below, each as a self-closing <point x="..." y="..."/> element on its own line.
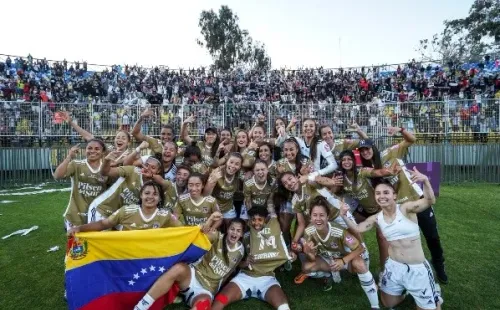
<point x="368" y="285"/>
<point x="145" y="303"/>
<point x="366" y="256"/>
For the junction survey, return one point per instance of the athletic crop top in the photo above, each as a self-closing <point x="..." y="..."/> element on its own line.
<point x="400" y="228"/>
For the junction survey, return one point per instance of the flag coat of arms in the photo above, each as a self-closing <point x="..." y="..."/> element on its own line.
<point x="113" y="270"/>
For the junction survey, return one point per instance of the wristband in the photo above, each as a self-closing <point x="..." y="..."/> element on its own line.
<point x="343" y="261"/>
<point x="138" y="150"/>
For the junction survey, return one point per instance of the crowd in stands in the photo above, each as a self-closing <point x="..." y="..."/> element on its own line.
<point x="429" y="98"/>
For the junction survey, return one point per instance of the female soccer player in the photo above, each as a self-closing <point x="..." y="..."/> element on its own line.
<point x="339" y="145"/>
<point x="87" y="181"/>
<point x="125" y="190"/>
<point x="316" y="150"/>
<point x="223" y="183"/>
<point x="293" y="160"/>
<point x="265" y="154"/>
<point x="208" y="146"/>
<point x="407" y="191"/>
<point x="121" y="141"/>
<point x="266" y="251"/>
<point x="194" y="208"/>
<point x="258" y="191"/>
<point x="168" y="154"/>
<point x="330" y="248"/>
<point x="200" y="282"/>
<point x="174" y="189"/>
<point x="146" y="214"/>
<point x="406" y="268"/>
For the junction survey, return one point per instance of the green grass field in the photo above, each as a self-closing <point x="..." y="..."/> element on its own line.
<point x="468" y="220"/>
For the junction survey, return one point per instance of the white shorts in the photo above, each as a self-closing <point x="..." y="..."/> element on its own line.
<point x="195" y="289"/>
<point x="340" y="221"/>
<point x="417" y="280"/>
<point x="254" y="287"/>
<point x="287" y="208"/>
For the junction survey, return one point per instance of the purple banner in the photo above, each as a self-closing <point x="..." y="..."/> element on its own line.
<point x="432" y="170"/>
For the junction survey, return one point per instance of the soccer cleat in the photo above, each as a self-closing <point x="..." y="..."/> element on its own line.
<point x="327" y="284"/>
<point x="300" y="278"/>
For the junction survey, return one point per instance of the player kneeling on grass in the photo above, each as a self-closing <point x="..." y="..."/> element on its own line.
<point x="330" y="248"/>
<point x="147" y="214"/>
<point x="200" y="282"/>
<point x="406" y="268"/>
<point x="266" y="251"/>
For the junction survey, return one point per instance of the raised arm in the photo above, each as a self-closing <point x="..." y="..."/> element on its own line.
<point x="106" y="169"/>
<point x="212" y="181"/>
<point x="355" y="127"/>
<point x="184" y="131"/>
<point x="62" y="169"/>
<point x="134" y="158"/>
<point x="136" y="131"/>
<point x="423" y="203"/>
<point x="393" y="170"/>
<point x="87" y="136"/>
<point x="359" y="228"/>
<point x="408" y="137"/>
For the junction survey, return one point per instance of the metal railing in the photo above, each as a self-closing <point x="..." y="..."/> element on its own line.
<point x="462" y="135"/>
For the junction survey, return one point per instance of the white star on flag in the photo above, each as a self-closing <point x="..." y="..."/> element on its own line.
<point x="144" y="271"/>
<point x="131" y="282"/>
<point x="152" y="268"/>
<point x="161" y="269"/>
<point x="136" y="276"/>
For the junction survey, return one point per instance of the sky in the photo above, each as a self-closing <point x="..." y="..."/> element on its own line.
<point x="313" y="33"/>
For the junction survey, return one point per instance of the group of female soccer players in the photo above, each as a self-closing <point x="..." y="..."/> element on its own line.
<point x="244" y="190"/>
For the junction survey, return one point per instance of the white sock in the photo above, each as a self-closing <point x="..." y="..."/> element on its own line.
<point x="145" y="303"/>
<point x="365" y="256"/>
<point x="368" y="285"/>
<point x="284" y="307"/>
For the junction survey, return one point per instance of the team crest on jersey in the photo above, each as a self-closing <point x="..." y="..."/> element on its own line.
<point x="156" y="225"/>
<point x="334" y="245"/>
<point x="78" y="249"/>
<point x="205" y="209"/>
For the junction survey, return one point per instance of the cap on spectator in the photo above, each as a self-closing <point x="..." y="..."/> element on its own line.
<point x="365" y="143"/>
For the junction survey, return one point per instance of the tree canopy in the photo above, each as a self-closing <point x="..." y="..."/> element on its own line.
<point x="228" y="44"/>
<point x="466" y="39"/>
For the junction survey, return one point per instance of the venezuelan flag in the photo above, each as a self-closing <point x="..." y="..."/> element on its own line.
<point x="113" y="270"/>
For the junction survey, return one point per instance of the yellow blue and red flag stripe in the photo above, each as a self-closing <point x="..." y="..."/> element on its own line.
<point x="113" y="270"/>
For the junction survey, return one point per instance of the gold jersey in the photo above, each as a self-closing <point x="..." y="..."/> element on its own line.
<point x="267" y="247"/>
<point x="206" y="154"/>
<point x="86" y="185"/>
<point x="131" y="217"/>
<point x="302" y="203"/>
<point x="336" y="244"/>
<point x="192" y="213"/>
<point x="284" y="165"/>
<point x="224" y="193"/>
<point x="363" y="190"/>
<point x="171" y="194"/>
<point x="125" y="191"/>
<point x="259" y="196"/>
<point x="406" y="191"/>
<point x="342" y="145"/>
<point x="214" y="268"/>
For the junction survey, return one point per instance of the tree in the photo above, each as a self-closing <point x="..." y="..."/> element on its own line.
<point x="228" y="44"/>
<point x="466" y="39"/>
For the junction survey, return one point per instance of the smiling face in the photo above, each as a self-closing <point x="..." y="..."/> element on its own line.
<point x="151" y="166"/>
<point x="233" y="165"/>
<point x="290" y="182"/>
<point x="319" y="217"/>
<point x="195" y="186"/>
<point x="257" y="222"/>
<point x="234" y="233"/>
<point x="327" y="135"/>
<point x="181" y="177"/>
<point x="121" y="141"/>
<point x="167" y="135"/>
<point x="347" y="162"/>
<point x="225" y="134"/>
<point x="150" y="197"/>
<point x="290" y="151"/>
<point x="279" y="123"/>
<point x="210" y="137"/>
<point x="93" y="151"/>
<point x="265" y="153"/>
<point x="258" y="133"/>
<point x="308" y="129"/>
<point x="242" y="139"/>
<point x="366" y="153"/>
<point x="385" y="195"/>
